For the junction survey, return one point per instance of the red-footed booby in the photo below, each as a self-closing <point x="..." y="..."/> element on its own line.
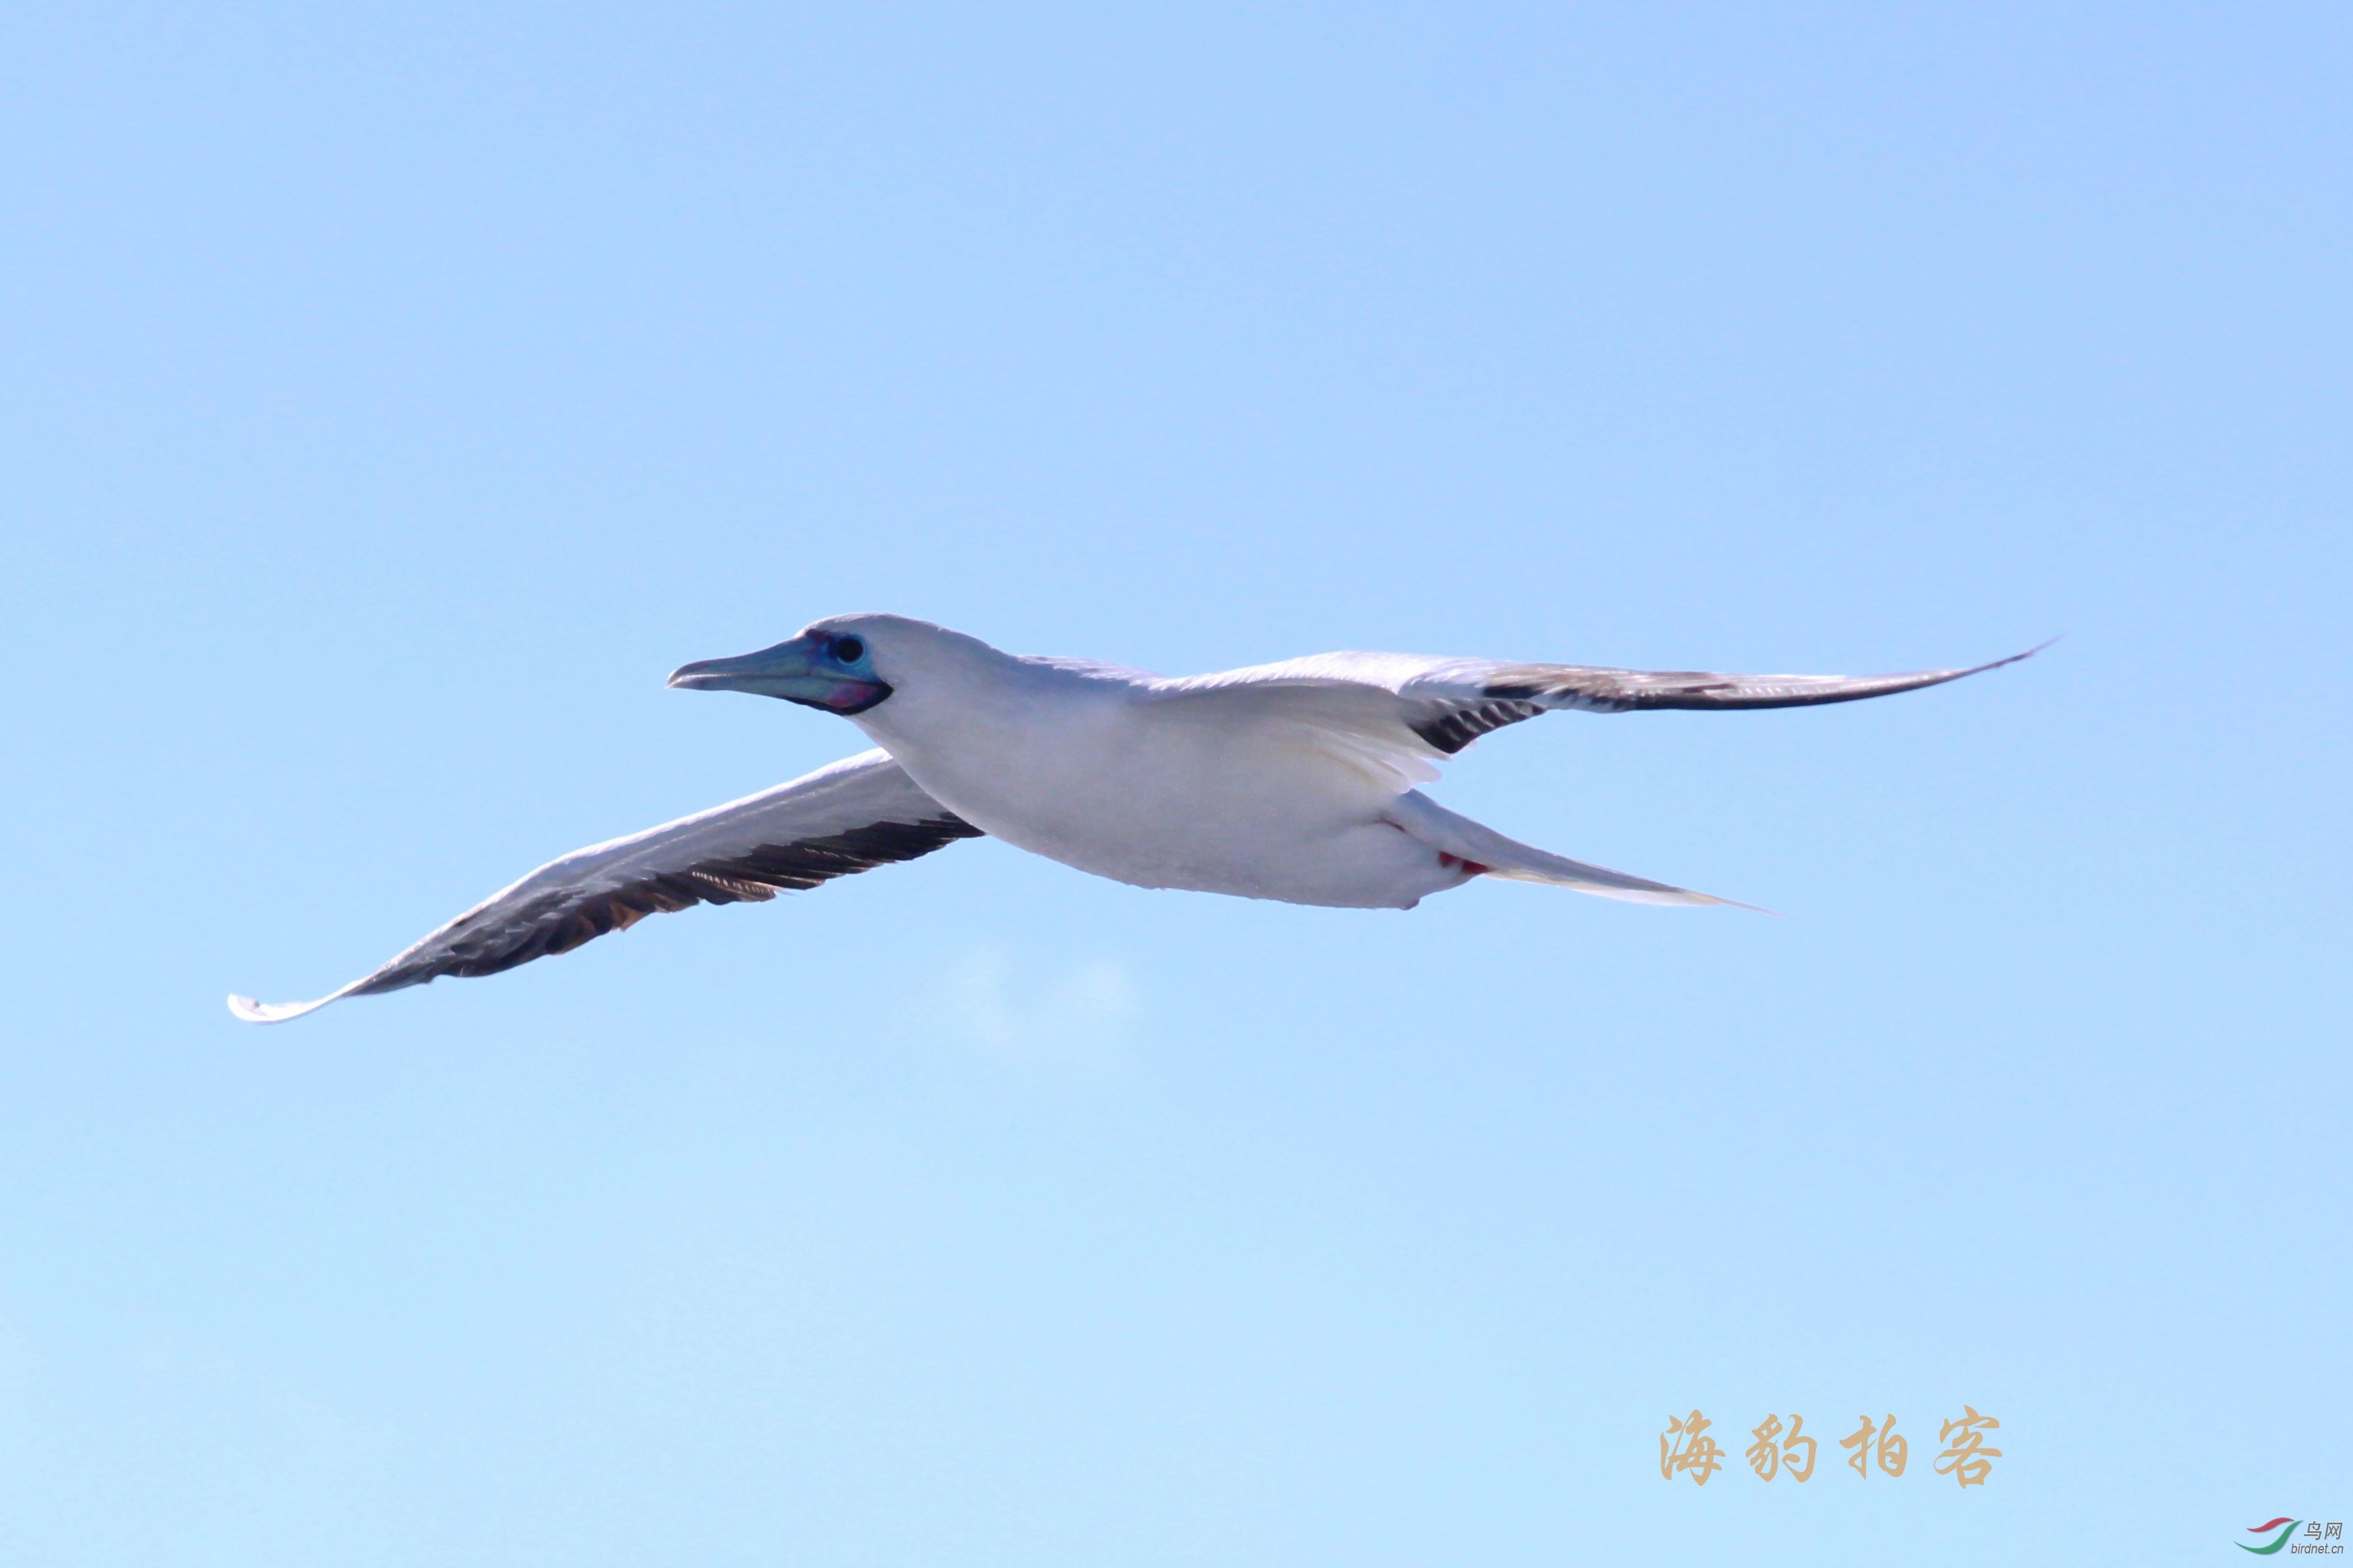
<point x="1291" y="781"/>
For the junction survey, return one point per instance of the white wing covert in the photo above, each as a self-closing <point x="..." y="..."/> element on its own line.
<point x="847" y="818"/>
<point x="1428" y="709"/>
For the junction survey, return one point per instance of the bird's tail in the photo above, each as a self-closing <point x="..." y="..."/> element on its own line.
<point x="1481" y="846"/>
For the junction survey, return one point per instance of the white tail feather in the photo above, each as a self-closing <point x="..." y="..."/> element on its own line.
<point x="1467" y="840"/>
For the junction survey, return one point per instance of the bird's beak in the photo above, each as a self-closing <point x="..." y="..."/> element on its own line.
<point x="796" y="671"/>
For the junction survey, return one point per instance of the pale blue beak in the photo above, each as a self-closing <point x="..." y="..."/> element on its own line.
<point x="804" y="670"/>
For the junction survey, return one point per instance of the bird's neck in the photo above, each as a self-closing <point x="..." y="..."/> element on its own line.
<point x="968" y="725"/>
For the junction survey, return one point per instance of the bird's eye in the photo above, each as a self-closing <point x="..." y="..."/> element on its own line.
<point x="847" y="650"/>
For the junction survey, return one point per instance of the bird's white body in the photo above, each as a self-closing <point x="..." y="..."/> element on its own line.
<point x="1291" y="781"/>
<point x="1150" y="782"/>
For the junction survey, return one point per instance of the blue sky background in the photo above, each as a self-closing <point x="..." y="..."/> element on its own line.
<point x="396" y="394"/>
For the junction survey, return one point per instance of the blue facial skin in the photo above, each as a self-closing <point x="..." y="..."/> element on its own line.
<point x="831" y="670"/>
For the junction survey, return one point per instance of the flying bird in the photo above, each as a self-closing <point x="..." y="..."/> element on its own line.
<point x="1291" y="781"/>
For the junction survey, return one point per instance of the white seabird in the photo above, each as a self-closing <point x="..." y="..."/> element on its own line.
<point x="1291" y="781"/>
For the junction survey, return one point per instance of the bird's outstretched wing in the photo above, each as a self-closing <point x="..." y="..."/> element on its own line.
<point x="856" y="813"/>
<point x="1431" y="707"/>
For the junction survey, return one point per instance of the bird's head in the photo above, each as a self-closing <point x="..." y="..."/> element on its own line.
<point x="837" y="663"/>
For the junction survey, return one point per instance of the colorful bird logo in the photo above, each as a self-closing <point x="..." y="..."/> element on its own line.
<point x="2284" y="1525"/>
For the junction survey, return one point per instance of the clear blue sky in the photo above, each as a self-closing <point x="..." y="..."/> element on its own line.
<point x="395" y="394"/>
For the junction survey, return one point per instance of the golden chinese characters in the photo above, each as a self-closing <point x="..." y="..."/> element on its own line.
<point x="1893" y="1448"/>
<point x="1767" y="1460"/>
<point x="1692" y="1449"/>
<point x="1780" y="1447"/>
<point x="1966" y="1458"/>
